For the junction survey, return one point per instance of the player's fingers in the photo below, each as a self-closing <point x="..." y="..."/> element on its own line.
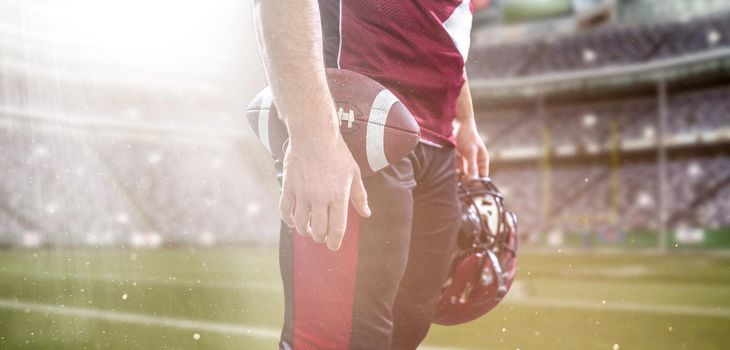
<point x="301" y="218"/>
<point x="286" y="207"/>
<point x="359" y="196"/>
<point x="471" y="163"/>
<point x="483" y="160"/>
<point x="319" y="222"/>
<point x="461" y="164"/>
<point x="337" y="225"/>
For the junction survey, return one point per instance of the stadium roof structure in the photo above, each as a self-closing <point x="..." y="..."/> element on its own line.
<point x="714" y="64"/>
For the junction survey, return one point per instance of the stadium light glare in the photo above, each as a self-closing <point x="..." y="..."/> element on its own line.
<point x="649" y="132"/>
<point x="154" y="157"/>
<point x="713" y="37"/>
<point x="644" y="200"/>
<point x="51" y="208"/>
<point x="145" y="240"/>
<point x="40" y="151"/>
<point x="589" y="120"/>
<point x="31" y="240"/>
<point x="207" y="239"/>
<point x="160" y="33"/>
<point x="253" y="209"/>
<point x="589" y="56"/>
<point x="122" y="218"/>
<point x="694" y="170"/>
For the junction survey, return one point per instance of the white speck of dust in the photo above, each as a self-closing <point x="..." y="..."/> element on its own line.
<point x="615" y="346"/>
<point x="196" y="336"/>
<point x="504" y="330"/>
<point x="603" y="301"/>
<point x="670" y="328"/>
<point x="124" y="296"/>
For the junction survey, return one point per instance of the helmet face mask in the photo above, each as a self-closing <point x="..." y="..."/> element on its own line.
<point x="489" y="213"/>
<point x="484" y="265"/>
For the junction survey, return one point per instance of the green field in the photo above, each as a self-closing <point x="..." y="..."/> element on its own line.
<point x="230" y="298"/>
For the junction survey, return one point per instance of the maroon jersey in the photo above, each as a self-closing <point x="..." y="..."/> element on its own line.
<point x="415" y="48"/>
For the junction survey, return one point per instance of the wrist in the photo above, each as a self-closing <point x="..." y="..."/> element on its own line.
<point x="313" y="125"/>
<point x="466" y="124"/>
<point x="317" y="132"/>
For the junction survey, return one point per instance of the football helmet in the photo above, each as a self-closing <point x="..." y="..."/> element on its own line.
<point x="484" y="266"/>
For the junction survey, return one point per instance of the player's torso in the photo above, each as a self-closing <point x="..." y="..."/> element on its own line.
<point x="416" y="48"/>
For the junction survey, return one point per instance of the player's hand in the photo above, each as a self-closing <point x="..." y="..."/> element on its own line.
<point x="320" y="178"/>
<point x="472" y="157"/>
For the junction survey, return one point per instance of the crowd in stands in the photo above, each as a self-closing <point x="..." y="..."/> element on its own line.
<point x="601" y="47"/>
<point x="95" y="190"/>
<point x="697" y="111"/>
<point x="64" y="185"/>
<point x="580" y="197"/>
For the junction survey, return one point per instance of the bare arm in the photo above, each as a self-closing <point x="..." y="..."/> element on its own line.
<point x="473" y="158"/>
<point x="320" y="175"/>
<point x="290" y="40"/>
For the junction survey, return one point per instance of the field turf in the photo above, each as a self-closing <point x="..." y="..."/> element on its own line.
<point x="231" y="298"/>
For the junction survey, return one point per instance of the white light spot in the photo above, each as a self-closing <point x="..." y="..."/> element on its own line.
<point x="615" y="347"/>
<point x="122" y="218"/>
<point x="670" y="329"/>
<point x="196" y="336"/>
<point x="154" y="157"/>
<point x="207" y="239"/>
<point x="51" y="208"/>
<point x="504" y="329"/>
<point x="694" y="170"/>
<point x="649" y="132"/>
<point x="40" y="151"/>
<point x="124" y="296"/>
<point x="713" y="37"/>
<point x="644" y="200"/>
<point x="253" y="208"/>
<point x="589" y="120"/>
<point x="589" y="56"/>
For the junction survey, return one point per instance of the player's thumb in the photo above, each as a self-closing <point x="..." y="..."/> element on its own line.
<point x="359" y="196"/>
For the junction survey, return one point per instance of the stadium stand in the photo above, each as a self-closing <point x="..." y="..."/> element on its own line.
<point x="602" y="47"/>
<point x="135" y="156"/>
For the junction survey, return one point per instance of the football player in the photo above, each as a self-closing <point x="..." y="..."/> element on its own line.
<point x="363" y="260"/>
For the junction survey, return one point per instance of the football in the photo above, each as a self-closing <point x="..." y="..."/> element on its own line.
<point x="376" y="126"/>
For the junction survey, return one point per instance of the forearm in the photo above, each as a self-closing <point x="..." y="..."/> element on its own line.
<point x="464" y="105"/>
<point x="290" y="39"/>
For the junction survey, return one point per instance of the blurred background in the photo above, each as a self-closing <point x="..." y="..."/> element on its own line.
<point x="138" y="211"/>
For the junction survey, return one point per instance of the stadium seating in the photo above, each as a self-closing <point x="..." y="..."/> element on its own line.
<point x="613" y="45"/>
<point x="59" y="185"/>
<point x="580" y="196"/>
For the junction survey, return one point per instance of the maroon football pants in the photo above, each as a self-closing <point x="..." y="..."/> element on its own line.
<point x="380" y="289"/>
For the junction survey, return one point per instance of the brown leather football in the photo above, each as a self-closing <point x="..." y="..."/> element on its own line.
<point x="377" y="128"/>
